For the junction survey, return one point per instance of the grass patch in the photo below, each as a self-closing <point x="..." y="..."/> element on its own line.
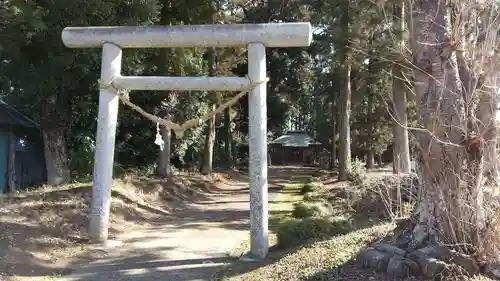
<point x="312" y="209"/>
<point x="295" y="232"/>
<point x="319" y="260"/>
<point x="314" y="196"/>
<point x="311" y="187"/>
<point x="280" y="209"/>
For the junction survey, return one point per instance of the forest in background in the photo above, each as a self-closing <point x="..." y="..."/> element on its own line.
<point x="58" y="86"/>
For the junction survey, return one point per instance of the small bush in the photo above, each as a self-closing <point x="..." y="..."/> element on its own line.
<point x="387" y="197"/>
<point x="311" y="187"/>
<point x="351" y="193"/>
<point x="357" y="172"/>
<point x="312" y="209"/>
<point x="295" y="232"/>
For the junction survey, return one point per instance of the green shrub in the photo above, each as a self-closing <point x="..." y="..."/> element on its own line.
<point x="357" y="172"/>
<point x="312" y="209"/>
<point x="295" y="232"/>
<point x="311" y="187"/>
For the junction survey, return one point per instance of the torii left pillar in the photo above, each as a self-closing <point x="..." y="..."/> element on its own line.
<point x="107" y="117"/>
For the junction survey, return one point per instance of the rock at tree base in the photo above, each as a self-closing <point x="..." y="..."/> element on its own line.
<point x="371" y="258"/>
<point x="441" y="253"/>
<point x="493" y="269"/>
<point x="430" y="261"/>
<point x="467" y="263"/>
<point x="399" y="267"/>
<point x="432" y="267"/>
<point x="390" y="249"/>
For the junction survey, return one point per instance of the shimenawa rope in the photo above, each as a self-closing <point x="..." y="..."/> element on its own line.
<point x="180" y="129"/>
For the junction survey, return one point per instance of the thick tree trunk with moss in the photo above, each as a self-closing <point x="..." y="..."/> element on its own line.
<point x="450" y="209"/>
<point x="454" y="232"/>
<point x="401" y="148"/>
<point x="56" y="156"/>
<point x="345" y="98"/>
<point x="443" y="153"/>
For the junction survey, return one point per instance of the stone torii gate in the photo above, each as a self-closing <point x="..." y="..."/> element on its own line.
<point x="112" y="39"/>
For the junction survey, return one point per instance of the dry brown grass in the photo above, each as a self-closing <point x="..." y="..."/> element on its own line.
<point x="43" y="233"/>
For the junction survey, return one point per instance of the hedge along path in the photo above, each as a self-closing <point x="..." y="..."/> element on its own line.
<point x="179" y="129"/>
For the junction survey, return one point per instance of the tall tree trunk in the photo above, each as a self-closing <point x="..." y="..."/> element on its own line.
<point x="436" y="85"/>
<point x="334" y="132"/>
<point x="345" y="98"/>
<point x="451" y="199"/>
<point x="208" y="154"/>
<point x="401" y="147"/>
<point x="163" y="167"/>
<point x="56" y="156"/>
<point x="373" y="67"/>
<point x="163" y="64"/>
<point x="228" y="141"/>
<point x="370" y="155"/>
<point x="209" y="146"/>
<point x="344" y="124"/>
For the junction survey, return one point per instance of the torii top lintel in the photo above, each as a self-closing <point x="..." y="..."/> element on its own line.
<point x="296" y="34"/>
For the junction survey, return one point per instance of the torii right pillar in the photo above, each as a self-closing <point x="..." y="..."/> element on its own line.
<point x="257" y="132"/>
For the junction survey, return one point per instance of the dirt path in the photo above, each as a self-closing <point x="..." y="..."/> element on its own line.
<point x="192" y="244"/>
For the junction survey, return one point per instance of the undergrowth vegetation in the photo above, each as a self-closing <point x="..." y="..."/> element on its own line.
<point x="312" y="209"/>
<point x="332" y="223"/>
<point x="294" y="232"/>
<point x="356" y="172"/>
<point x="365" y="201"/>
<point x="320" y="260"/>
<point x="311" y="187"/>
